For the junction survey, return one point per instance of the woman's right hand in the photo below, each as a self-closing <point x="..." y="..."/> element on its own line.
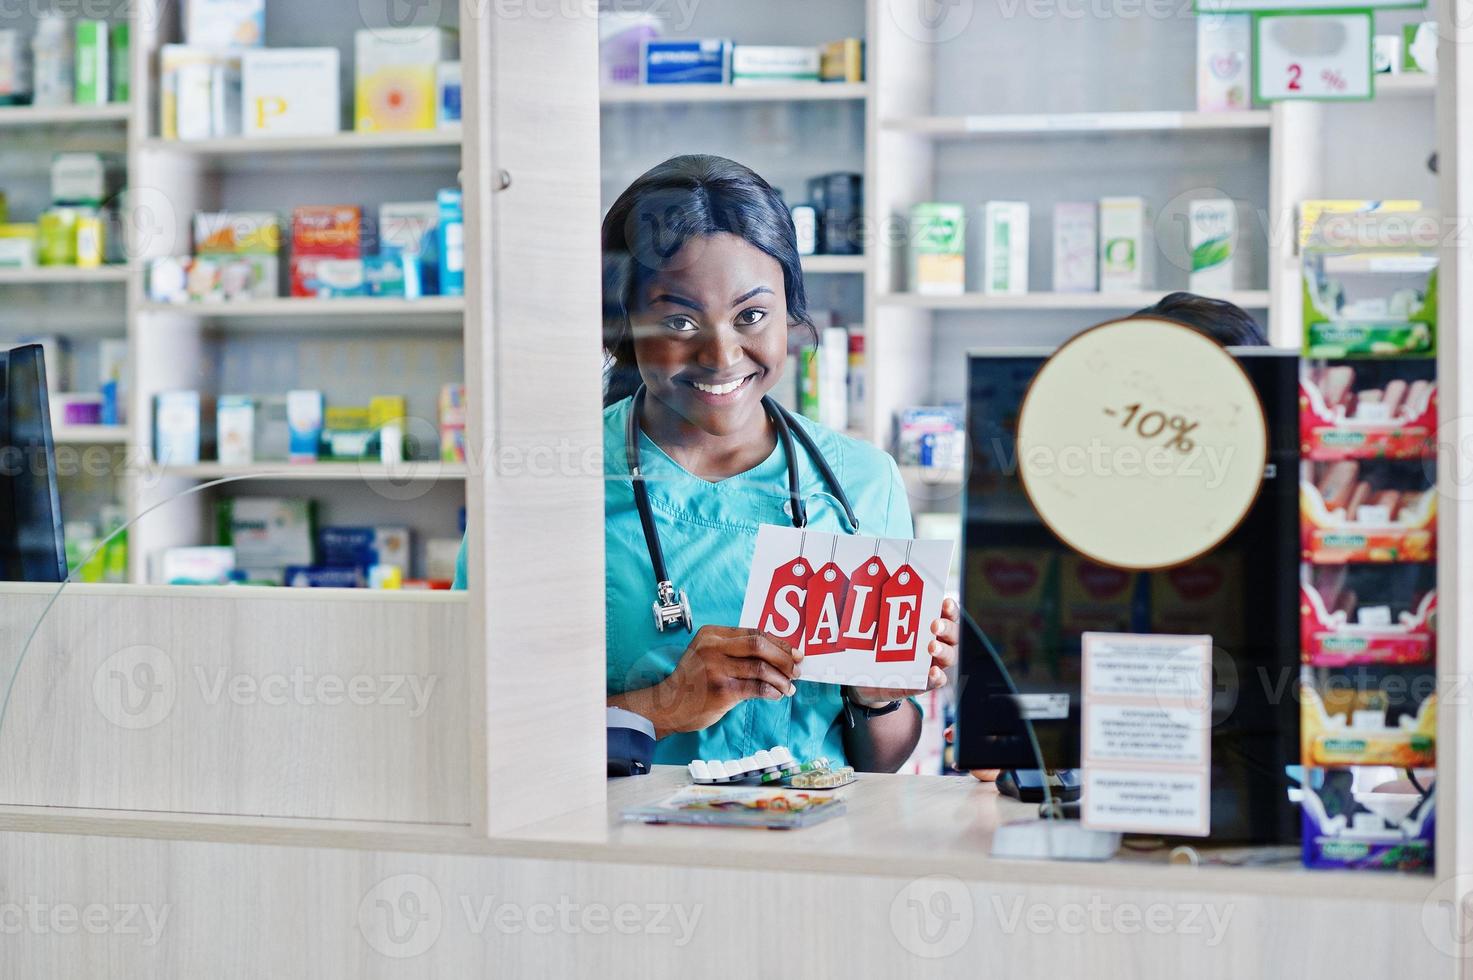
<point x="722" y="667"/>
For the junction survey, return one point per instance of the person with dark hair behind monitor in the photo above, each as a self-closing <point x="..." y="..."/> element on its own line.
<point x="1227" y="323"/>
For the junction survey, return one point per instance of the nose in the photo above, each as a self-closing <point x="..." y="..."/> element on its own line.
<point x="722" y="348"/>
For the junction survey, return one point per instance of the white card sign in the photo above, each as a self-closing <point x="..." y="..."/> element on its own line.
<point x="860" y="608"/>
<point x="1315" y="56"/>
<point x="1147" y="726"/>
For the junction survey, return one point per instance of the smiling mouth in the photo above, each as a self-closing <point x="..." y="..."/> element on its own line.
<point x="728" y="388"/>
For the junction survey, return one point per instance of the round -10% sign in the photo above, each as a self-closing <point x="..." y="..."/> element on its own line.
<point x="1141" y="443"/>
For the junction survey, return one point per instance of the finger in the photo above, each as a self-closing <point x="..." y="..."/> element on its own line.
<point x="950" y="734"/>
<point x="942" y="655"/>
<point x="987" y="775"/>
<point x="763" y="688"/>
<point x="951" y="610"/>
<point x="936" y="678"/>
<point x="944" y="630"/>
<point x="749" y="669"/>
<point x="759" y="646"/>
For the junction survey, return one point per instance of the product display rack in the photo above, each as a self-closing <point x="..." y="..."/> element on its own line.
<point x="200" y="346"/>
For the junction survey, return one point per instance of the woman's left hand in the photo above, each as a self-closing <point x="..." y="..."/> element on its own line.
<point x="944" y="634"/>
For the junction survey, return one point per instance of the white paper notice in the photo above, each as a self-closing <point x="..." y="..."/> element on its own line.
<point x="1147" y="733"/>
<point x="860" y="608"/>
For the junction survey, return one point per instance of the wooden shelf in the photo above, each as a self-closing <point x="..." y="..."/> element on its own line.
<point x="367" y="471"/>
<point x="348" y="313"/>
<point x="45" y="275"/>
<point x="66" y="115"/>
<point x="777" y="92"/>
<point x="819" y="264"/>
<point x="1249" y="299"/>
<point x="1075" y="123"/>
<point x="94" y="435"/>
<point x="1406" y="83"/>
<point x="348" y="141"/>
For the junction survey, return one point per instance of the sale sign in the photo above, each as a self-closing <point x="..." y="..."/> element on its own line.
<point x="859" y="608"/>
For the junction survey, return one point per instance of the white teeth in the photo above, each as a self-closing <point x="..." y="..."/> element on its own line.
<point x="725" y="389"/>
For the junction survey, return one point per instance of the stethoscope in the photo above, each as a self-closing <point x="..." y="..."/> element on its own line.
<point x="671" y="605"/>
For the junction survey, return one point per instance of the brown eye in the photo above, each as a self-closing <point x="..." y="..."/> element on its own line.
<point x="747" y="318"/>
<point x="680" y="324"/>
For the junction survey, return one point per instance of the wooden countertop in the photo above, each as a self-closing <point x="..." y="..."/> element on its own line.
<point x="896" y="826"/>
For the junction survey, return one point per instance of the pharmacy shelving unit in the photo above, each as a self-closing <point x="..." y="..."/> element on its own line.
<point x="79" y="305"/>
<point x="351" y="349"/>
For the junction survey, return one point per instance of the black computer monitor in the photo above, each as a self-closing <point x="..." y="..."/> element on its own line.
<point x="32" y="548"/>
<point x="1034" y="596"/>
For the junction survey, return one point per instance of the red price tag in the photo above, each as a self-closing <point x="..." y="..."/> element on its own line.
<point x="821" y="612"/>
<point x="900" y="616"/>
<point x="782" y="613"/>
<point x="862" y="605"/>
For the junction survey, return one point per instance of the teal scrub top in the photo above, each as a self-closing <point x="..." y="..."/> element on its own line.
<point x="708" y="532"/>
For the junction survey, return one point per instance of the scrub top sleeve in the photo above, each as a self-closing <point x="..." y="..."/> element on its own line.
<point x="460" y="566"/>
<point x="898" y="522"/>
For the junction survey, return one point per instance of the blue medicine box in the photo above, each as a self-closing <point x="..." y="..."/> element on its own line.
<point x="685" y="62"/>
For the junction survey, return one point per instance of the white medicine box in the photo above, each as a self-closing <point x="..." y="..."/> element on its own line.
<point x="290" y="92"/>
<point x="1126" y="244"/>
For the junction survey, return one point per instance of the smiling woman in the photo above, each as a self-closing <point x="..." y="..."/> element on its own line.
<point x="702" y="286"/>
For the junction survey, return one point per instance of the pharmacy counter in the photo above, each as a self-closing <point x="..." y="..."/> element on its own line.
<point x="900" y="885"/>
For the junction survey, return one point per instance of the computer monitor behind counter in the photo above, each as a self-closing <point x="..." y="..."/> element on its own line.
<point x="32" y="548"/>
<point x="1034" y="596"/>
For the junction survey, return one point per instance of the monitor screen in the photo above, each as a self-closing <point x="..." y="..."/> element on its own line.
<point x="1034" y="597"/>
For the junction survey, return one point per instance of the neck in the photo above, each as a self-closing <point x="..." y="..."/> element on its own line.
<point x="710" y="457"/>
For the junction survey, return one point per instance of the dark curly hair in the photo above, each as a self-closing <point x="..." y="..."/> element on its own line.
<point x="1227" y="323"/>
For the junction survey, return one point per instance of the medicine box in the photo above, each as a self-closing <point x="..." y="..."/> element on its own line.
<point x="225" y="23"/>
<point x="938" y="249"/>
<point x="235" y="429"/>
<point x="200" y="92"/>
<point x="118" y="42"/>
<point x="267" y="533"/>
<point x="290" y="92"/>
<point x="90" y="59"/>
<point x="1076" y="247"/>
<point x="15" y="68"/>
<point x="685" y="62"/>
<point x="323" y="232"/>
<point x="1224" y="62"/>
<point x="1004" y="248"/>
<point x="176" y="437"/>
<point x="408" y="226"/>
<point x="842" y="61"/>
<point x="1212" y="239"/>
<point x="395" y="76"/>
<point x="360" y="547"/>
<point x="447" y="94"/>
<point x="452" y="243"/>
<point x="206" y="565"/>
<point x="1125" y="248"/>
<point x="79" y="179"/>
<point x="304" y="422"/>
<point x="758" y="64"/>
<point x="237" y="233"/>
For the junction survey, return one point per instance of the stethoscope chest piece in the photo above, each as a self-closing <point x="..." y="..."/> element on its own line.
<point x="671" y="608"/>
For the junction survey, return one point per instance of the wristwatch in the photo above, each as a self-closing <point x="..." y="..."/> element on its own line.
<point x="851" y="706"/>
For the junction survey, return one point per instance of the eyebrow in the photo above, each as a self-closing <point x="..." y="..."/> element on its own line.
<point x="692" y="304"/>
